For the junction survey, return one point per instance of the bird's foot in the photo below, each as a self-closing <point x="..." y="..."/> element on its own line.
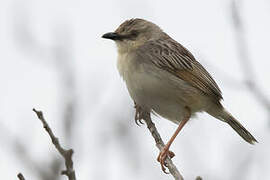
<point x="138" y="114"/>
<point x="162" y="157"/>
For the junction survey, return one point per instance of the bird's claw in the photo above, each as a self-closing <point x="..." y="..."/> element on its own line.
<point x="162" y="157"/>
<point x="138" y="115"/>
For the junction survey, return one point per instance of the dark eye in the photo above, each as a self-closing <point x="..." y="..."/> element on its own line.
<point x="134" y="33"/>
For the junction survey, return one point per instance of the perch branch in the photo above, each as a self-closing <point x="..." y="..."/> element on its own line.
<point x="160" y="144"/>
<point x="66" y="154"/>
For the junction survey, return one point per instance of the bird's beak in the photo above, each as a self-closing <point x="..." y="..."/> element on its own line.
<point x="112" y="36"/>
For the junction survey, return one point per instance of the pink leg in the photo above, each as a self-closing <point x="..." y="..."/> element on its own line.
<point x="165" y="151"/>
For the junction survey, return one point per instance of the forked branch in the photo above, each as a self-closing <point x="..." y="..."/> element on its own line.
<point x="66" y="154"/>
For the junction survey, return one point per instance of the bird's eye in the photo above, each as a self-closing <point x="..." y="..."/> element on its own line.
<point x="123" y="30"/>
<point x="134" y="33"/>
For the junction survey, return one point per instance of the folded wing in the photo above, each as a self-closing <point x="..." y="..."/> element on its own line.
<point x="171" y="56"/>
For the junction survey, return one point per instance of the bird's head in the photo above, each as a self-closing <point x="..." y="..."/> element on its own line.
<point x="134" y="33"/>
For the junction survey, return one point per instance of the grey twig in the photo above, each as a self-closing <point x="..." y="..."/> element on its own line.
<point x="244" y="58"/>
<point x="20" y="176"/>
<point x="66" y="154"/>
<point x="160" y="144"/>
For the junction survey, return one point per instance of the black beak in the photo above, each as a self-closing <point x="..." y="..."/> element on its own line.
<point x="112" y="36"/>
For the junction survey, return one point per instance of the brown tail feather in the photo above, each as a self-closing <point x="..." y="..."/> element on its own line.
<point x="241" y="130"/>
<point x="227" y="117"/>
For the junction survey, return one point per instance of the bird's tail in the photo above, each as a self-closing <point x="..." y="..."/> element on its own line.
<point x="227" y="117"/>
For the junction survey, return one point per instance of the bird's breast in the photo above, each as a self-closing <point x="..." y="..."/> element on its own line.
<point x="134" y="74"/>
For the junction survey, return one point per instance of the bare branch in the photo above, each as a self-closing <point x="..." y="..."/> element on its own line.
<point x="160" y="144"/>
<point x="66" y="154"/>
<point x="244" y="58"/>
<point x="20" y="176"/>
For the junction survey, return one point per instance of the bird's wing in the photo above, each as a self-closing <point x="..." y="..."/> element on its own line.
<point x="171" y="56"/>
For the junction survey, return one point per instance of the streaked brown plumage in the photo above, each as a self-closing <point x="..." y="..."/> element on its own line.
<point x="173" y="57"/>
<point x="163" y="76"/>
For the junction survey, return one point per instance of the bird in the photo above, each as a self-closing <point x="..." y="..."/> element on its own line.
<point x="163" y="77"/>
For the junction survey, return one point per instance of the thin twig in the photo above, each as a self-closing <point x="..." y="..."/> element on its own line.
<point x="66" y="154"/>
<point x="244" y="58"/>
<point x="160" y="144"/>
<point x="20" y="176"/>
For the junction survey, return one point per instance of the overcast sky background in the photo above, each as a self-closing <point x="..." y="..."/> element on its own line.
<point x="52" y="53"/>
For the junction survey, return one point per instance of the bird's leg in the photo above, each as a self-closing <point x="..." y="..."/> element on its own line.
<point x="138" y="114"/>
<point x="165" y="151"/>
